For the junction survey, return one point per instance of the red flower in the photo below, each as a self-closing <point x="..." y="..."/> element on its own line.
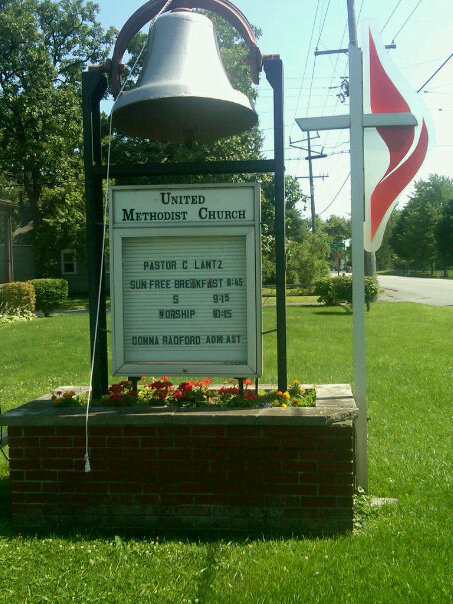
<point x="249" y="396"/>
<point x="116" y="397"/>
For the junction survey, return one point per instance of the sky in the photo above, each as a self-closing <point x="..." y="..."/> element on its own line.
<point x="421" y="30"/>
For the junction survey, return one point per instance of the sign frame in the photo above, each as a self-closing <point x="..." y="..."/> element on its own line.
<point x="249" y="229"/>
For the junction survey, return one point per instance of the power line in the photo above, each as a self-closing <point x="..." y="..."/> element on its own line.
<point x="321" y="29"/>
<point x="410" y="15"/>
<point x="360" y="10"/>
<point x="323" y="23"/>
<point x="338" y="192"/>
<point x="314" y="61"/>
<point x="437" y="71"/>
<point x="311" y="86"/>
<point x="331" y="81"/>
<point x="307" y="57"/>
<point x="391" y="15"/>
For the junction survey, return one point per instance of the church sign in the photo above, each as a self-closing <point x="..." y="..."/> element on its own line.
<point x="186" y="280"/>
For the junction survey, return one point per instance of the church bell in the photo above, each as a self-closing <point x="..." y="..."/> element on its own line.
<point x="183" y="93"/>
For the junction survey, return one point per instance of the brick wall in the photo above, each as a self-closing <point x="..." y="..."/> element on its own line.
<point x="241" y="479"/>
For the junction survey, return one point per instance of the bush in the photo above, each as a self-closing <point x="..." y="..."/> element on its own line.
<point x="342" y="289"/>
<point x="17" y="298"/>
<point x="50" y="294"/>
<point x="372" y="290"/>
<point x="337" y="290"/>
<point x="323" y="289"/>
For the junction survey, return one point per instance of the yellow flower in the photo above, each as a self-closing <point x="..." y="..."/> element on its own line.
<point x="302" y="390"/>
<point x="295" y="400"/>
<point x="286" y="395"/>
<point x="68" y="394"/>
<point x="279" y="393"/>
<point x="296" y="382"/>
<point x="283" y="405"/>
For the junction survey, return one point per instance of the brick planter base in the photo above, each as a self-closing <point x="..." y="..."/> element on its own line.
<point x="247" y="472"/>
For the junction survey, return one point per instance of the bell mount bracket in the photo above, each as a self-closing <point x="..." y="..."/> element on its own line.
<point x="150" y="9"/>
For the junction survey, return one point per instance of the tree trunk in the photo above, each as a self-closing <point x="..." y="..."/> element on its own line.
<point x="370" y="263"/>
<point x="33" y="193"/>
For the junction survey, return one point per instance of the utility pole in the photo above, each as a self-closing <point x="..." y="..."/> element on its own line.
<point x="310" y="157"/>
<point x="312" y="187"/>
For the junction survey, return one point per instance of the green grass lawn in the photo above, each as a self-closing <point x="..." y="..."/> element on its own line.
<point x="401" y="554"/>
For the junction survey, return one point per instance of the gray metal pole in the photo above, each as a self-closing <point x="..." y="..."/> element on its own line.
<point x="273" y="68"/>
<point x="358" y="273"/>
<point x="352" y="28"/>
<point x="94" y="84"/>
<point x="312" y="186"/>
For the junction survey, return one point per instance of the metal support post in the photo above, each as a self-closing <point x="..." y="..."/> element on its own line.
<point x="358" y="275"/>
<point x="94" y="84"/>
<point x="273" y="68"/>
<point x="312" y="186"/>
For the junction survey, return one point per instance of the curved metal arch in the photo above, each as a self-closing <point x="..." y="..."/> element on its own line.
<point x="150" y="9"/>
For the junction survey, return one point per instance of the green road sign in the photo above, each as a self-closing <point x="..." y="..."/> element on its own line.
<point x="337" y="244"/>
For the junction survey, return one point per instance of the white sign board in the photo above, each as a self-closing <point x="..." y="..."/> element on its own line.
<point x="186" y="280"/>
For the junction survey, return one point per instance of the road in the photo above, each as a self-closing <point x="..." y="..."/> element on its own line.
<point x="435" y="292"/>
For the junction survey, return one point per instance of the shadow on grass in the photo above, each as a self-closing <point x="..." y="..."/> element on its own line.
<point x="346" y="312"/>
<point x="207" y="575"/>
<point x="211" y="541"/>
<point x="6" y="524"/>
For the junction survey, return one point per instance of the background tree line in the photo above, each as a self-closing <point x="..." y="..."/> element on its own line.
<point x="420" y="235"/>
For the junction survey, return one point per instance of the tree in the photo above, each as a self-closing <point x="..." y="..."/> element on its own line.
<point x="297" y="229"/>
<point x="444" y="234"/>
<point x="296" y="226"/>
<point x="337" y="228"/>
<point x="386" y="254"/>
<point x="306" y="260"/>
<point x="43" y="46"/>
<point x="413" y="237"/>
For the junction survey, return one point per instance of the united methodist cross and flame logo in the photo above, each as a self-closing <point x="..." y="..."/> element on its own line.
<point x="392" y="154"/>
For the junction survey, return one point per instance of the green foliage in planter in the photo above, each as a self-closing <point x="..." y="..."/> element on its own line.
<point x="337" y="290"/>
<point x="50" y="294"/>
<point x="198" y="394"/>
<point x="17" y="298"/>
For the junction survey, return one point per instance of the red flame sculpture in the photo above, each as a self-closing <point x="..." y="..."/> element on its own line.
<point x="398" y="150"/>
